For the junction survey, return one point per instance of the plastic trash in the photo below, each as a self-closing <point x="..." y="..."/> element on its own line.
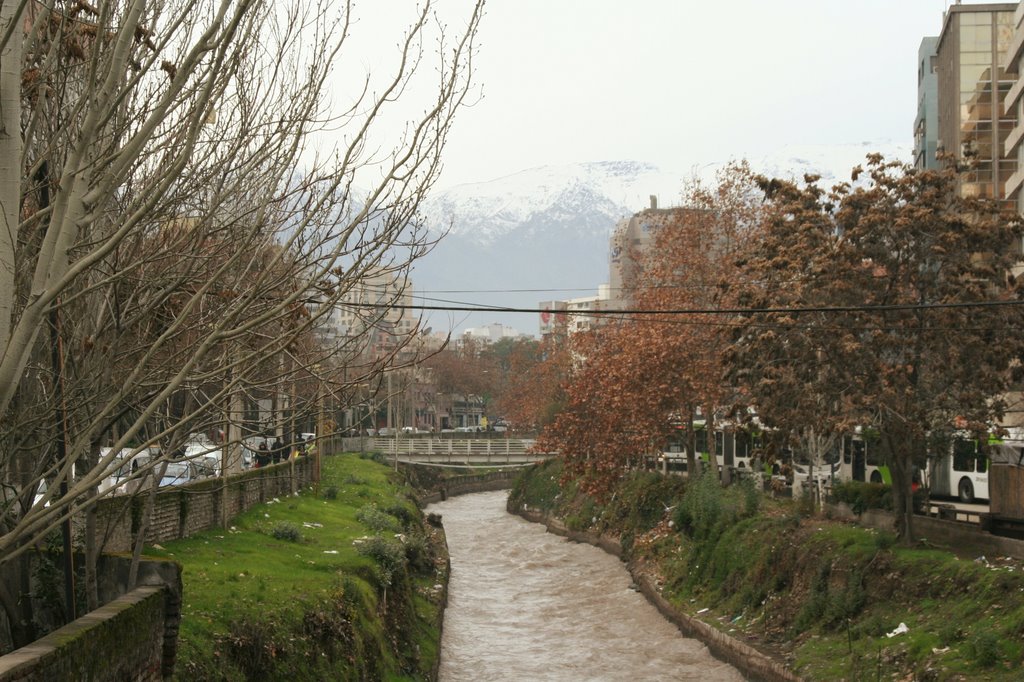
<point x="900" y="629"/>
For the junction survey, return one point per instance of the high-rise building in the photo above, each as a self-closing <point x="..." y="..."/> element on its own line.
<point x="1014" y="102"/>
<point x="926" y="124"/>
<point x="630" y="244"/>
<point x="973" y="83"/>
<point x="368" y="309"/>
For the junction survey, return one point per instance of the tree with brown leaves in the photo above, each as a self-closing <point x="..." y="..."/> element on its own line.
<point x="887" y="303"/>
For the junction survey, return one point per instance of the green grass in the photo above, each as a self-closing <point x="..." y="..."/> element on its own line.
<point x="251" y="598"/>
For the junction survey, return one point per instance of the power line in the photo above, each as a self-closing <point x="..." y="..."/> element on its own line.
<point x="698" y="311"/>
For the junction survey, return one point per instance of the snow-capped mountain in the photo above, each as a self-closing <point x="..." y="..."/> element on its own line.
<point x="542" y="234"/>
<point x="485" y="211"/>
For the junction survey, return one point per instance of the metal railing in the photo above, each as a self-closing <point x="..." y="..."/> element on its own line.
<point x="437" y="450"/>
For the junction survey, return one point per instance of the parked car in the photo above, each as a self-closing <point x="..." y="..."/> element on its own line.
<point x="178" y="472"/>
<point x="127" y="469"/>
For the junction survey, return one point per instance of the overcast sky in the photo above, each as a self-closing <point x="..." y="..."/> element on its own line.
<point x="675" y="82"/>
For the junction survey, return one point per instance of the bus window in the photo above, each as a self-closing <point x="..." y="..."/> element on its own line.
<point x="964" y="455"/>
<point x="872" y="456"/>
<point x="982" y="464"/>
<point x="702" y="440"/>
<point x="743" y="441"/>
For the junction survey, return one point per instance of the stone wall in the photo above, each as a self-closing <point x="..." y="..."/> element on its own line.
<point x="181" y="511"/>
<point x="123" y="640"/>
<point x="133" y="636"/>
<point x="474" y="483"/>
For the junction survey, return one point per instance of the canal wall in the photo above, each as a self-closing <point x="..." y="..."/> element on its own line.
<point x="133" y="636"/>
<point x="752" y="663"/>
<point x="464" y="485"/>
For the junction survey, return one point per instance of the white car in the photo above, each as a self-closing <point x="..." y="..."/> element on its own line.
<point x="177" y="473"/>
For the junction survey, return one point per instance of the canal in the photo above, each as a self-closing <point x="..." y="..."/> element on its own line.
<point x="528" y="605"/>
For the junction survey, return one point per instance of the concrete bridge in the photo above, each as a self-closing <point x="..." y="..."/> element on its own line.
<point x="451" y="452"/>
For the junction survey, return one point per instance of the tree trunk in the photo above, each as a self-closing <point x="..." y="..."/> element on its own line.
<point x="900" y="467"/>
<point x="691" y="446"/>
<point x="18" y="611"/>
<point x="10" y="160"/>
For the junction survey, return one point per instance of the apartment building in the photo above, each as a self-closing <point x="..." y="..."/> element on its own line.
<point x="973" y="120"/>
<point x="926" y="124"/>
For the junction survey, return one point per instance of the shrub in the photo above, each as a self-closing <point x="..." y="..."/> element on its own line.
<point x="402" y="513"/>
<point x="286" y="531"/>
<point x="389" y="556"/>
<point x="706" y="508"/>
<point x="376" y="520"/>
<point x="862" y="496"/>
<point x="418" y="553"/>
<point x="331" y="493"/>
<point x="983" y="648"/>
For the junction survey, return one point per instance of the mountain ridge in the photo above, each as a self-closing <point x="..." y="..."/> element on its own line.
<point x="542" y="233"/>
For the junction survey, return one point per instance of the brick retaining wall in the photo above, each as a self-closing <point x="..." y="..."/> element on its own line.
<point x="182" y="511"/>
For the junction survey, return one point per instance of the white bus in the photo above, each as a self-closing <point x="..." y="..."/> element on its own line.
<point x="862" y="459"/>
<point x="962" y="471"/>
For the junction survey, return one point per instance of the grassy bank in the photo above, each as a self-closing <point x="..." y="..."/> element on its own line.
<point x="344" y="585"/>
<point x="822" y="595"/>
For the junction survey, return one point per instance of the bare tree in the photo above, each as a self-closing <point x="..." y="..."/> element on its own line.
<point x="168" y="228"/>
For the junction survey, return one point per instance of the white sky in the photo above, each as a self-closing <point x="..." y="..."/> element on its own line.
<point x="677" y="83"/>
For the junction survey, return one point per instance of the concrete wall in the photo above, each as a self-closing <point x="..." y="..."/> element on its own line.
<point x="475" y="483"/>
<point x="965" y="539"/>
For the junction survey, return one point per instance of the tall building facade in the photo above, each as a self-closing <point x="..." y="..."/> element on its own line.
<point x="926" y="124"/>
<point x="1014" y="101"/>
<point x="974" y="123"/>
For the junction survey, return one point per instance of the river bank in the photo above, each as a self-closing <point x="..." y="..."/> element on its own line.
<point x="818" y="598"/>
<point x="346" y="581"/>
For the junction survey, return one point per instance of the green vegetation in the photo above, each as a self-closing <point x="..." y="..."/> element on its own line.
<point x="341" y="585"/>
<point x="822" y="594"/>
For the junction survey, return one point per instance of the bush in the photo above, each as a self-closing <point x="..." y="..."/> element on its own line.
<point x="706" y="508"/>
<point x="862" y="496"/>
<point x="376" y="520"/>
<point x="418" y="553"/>
<point x="983" y="648"/>
<point x="401" y="512"/>
<point x="286" y="531"/>
<point x="389" y="556"/>
<point x="331" y="493"/>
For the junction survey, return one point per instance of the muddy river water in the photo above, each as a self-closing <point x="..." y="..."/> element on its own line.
<point x="528" y="605"/>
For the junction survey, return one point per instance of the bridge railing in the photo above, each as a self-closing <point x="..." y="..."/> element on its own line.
<point x="449" y="450"/>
